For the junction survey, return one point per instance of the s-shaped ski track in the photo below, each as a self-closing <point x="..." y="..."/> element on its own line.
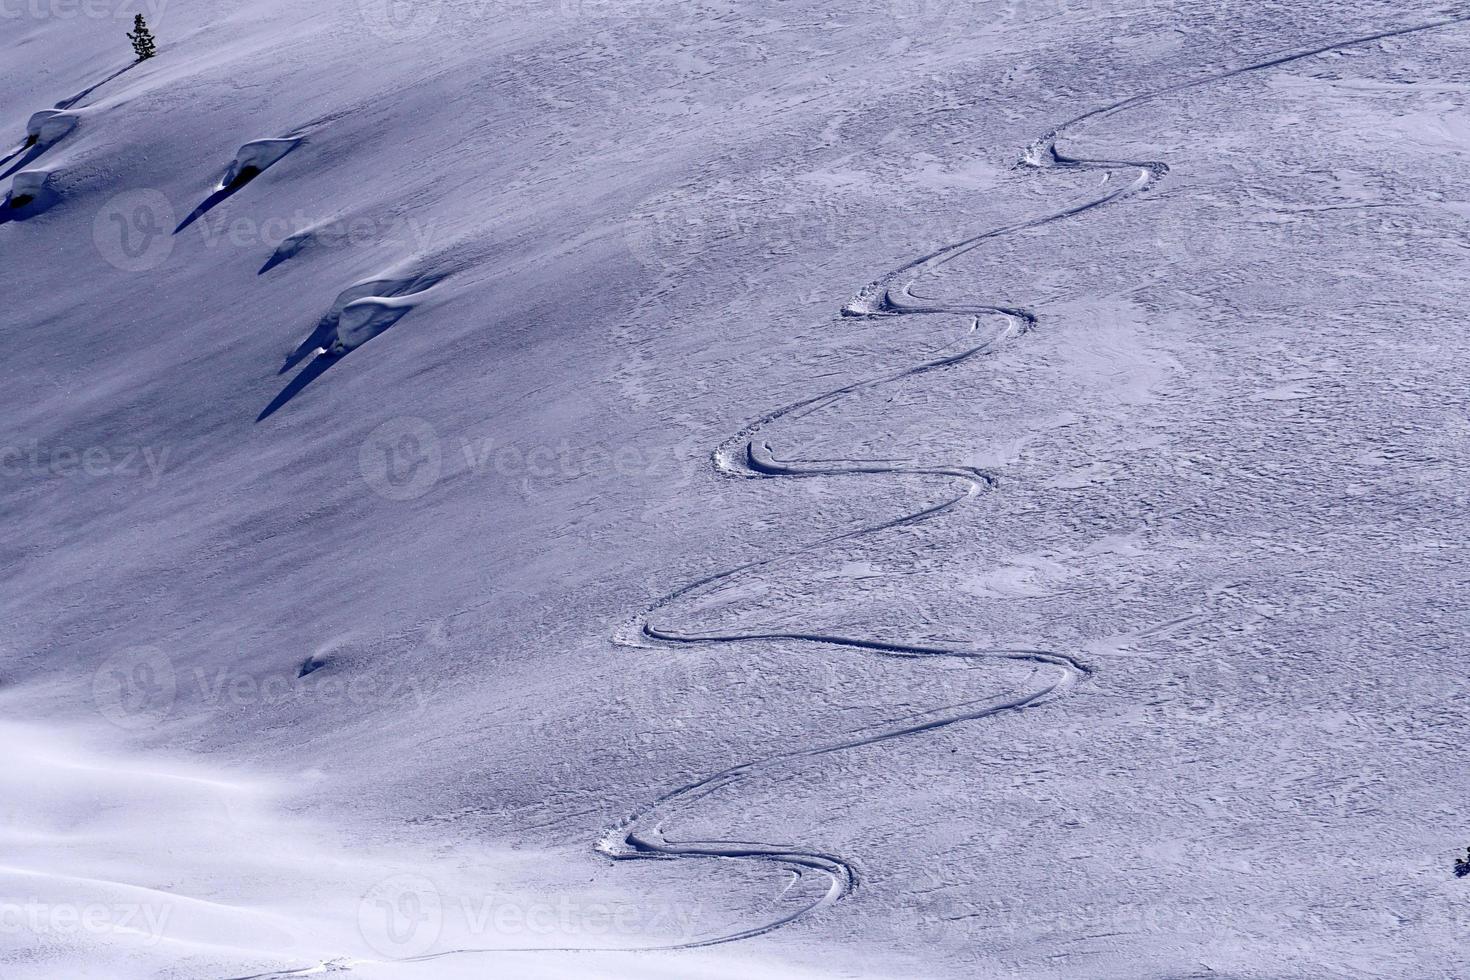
<point x="748" y="455"/>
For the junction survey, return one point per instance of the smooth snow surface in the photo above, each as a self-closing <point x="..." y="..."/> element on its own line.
<point x="649" y="489"/>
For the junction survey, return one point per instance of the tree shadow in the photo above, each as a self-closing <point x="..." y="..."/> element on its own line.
<point x="69" y="103"/>
<point x="30" y="148"/>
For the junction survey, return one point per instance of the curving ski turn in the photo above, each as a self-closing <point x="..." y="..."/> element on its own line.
<point x="749" y="455"/>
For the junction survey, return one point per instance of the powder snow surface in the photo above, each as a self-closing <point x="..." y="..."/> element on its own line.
<point x="626" y="488"/>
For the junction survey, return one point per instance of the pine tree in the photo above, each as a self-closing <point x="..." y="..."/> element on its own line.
<point x="1462" y="865"/>
<point x="144" y="45"/>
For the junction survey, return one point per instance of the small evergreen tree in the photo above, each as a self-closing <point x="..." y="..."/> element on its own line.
<point x="144" y="45"/>
<point x="1462" y="865"/>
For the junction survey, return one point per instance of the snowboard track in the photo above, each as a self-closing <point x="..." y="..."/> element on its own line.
<point x="745" y="455"/>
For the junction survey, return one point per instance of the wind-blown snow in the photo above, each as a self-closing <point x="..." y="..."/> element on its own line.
<point x="799" y="489"/>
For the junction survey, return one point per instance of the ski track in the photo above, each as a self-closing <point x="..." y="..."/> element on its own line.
<point x="745" y="455"/>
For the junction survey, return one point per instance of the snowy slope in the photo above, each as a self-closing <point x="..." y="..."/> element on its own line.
<point x="727" y="489"/>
